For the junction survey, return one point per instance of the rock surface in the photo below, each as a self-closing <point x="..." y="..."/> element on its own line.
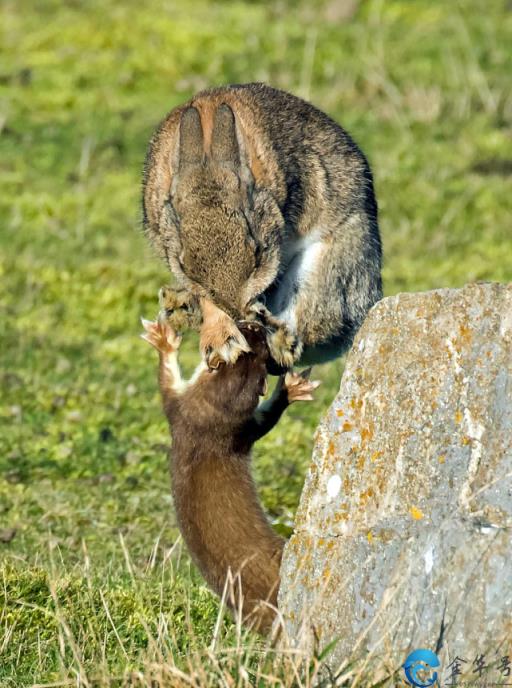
<point x="403" y="535"/>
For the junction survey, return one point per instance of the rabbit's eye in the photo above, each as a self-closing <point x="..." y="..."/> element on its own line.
<point x="185" y="307"/>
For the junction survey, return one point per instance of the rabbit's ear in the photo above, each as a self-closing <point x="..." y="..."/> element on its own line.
<point x="191" y="149"/>
<point x="224" y="142"/>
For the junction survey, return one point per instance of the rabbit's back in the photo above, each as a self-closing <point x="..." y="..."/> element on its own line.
<point x="308" y="161"/>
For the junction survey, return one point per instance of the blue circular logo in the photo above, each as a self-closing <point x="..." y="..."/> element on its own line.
<point x="420" y="660"/>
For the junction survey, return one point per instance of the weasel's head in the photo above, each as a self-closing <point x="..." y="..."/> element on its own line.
<point x="235" y="389"/>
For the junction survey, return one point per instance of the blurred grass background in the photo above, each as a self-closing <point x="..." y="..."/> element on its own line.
<point x="90" y="567"/>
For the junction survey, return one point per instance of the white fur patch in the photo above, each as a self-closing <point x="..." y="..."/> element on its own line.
<point x="197" y="372"/>
<point x="309" y="260"/>
<point x="173" y="368"/>
<point x="301" y="257"/>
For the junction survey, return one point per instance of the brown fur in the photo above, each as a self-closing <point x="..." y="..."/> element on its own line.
<point x="214" y="421"/>
<point x="215" y="499"/>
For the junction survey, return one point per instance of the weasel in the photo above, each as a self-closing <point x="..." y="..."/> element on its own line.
<point x="214" y="420"/>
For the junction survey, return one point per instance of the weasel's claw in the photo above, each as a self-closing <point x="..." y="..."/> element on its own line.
<point x="147" y="324"/>
<point x="160" y="335"/>
<point x="299" y="387"/>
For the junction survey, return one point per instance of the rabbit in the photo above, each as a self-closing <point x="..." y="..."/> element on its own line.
<point x="264" y="208"/>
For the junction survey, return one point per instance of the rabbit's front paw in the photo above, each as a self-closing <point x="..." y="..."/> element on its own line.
<point x="284" y="346"/>
<point x="180" y="308"/>
<point x="222" y="342"/>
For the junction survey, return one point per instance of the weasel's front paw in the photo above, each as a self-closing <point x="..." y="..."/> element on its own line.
<point x="161" y="336"/>
<point x="284" y="346"/>
<point x="180" y="308"/>
<point x="299" y="387"/>
<point x="222" y="342"/>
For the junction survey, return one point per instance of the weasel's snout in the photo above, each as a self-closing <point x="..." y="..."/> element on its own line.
<point x="256" y="335"/>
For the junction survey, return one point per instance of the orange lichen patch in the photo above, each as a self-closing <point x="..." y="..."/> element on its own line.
<point x="339" y="413"/>
<point x="346" y="427"/>
<point x="360" y="462"/>
<point x="466" y="440"/>
<point x="458" y="416"/>
<point x="331" y="448"/>
<point x="341" y="514"/>
<point x="363" y="497"/>
<point x="416" y="513"/>
<point x="465" y="333"/>
<point x="375" y="455"/>
<point x="356" y="403"/>
<point x="369" y="536"/>
<point x="441" y="458"/>
<point x="367" y="433"/>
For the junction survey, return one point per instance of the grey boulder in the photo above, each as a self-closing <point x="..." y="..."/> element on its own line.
<point x="403" y="535"/>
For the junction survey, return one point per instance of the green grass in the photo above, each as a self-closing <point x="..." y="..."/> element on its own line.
<point x="94" y="582"/>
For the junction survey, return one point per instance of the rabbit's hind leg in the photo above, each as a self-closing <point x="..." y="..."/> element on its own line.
<point x="335" y="284"/>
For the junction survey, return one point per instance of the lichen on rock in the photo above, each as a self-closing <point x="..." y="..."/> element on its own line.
<point x="403" y="535"/>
